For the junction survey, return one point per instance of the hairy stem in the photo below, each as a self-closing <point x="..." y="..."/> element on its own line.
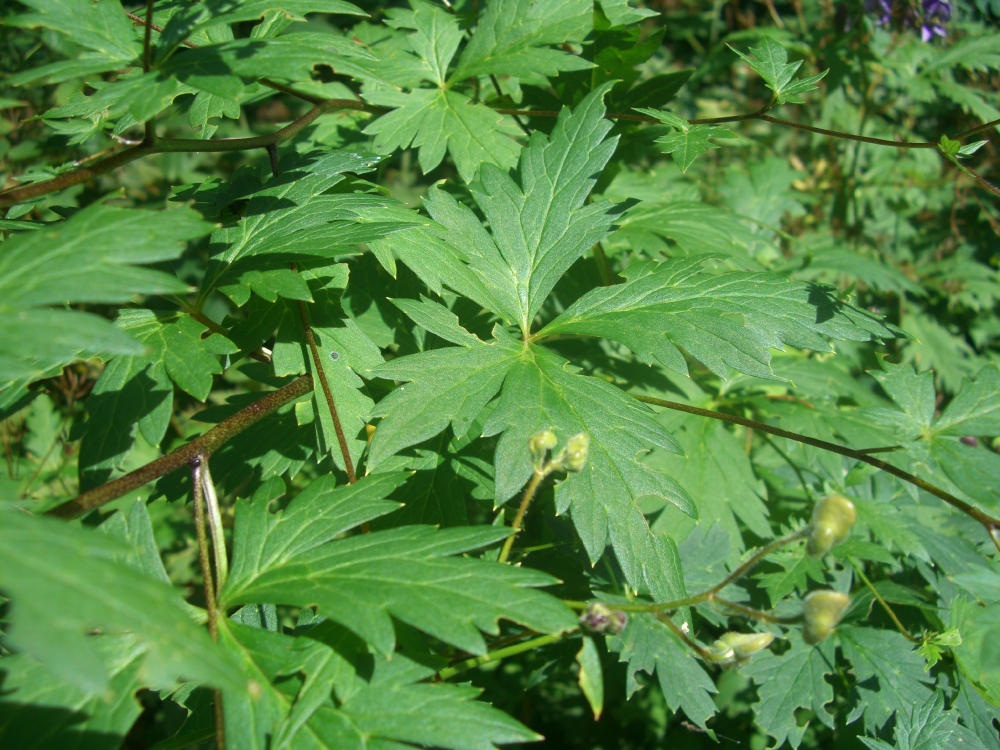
<point x="205" y="445"/>
<point x="515" y="527"/>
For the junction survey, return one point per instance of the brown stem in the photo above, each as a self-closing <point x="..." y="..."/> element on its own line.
<point x="989" y="522"/>
<point x="175" y="145"/>
<point x="345" y="451"/>
<point x="203" y="445"/>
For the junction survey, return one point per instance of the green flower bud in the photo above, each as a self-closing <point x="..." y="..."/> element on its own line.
<point x="540" y="444"/>
<point x="832" y="519"/>
<point x="600" y="618"/>
<point x="745" y="645"/>
<point x="577" y="449"/>
<point x="721" y="653"/>
<point x="821" y="612"/>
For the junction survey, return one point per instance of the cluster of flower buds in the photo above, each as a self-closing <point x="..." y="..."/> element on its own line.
<point x="832" y="519"/>
<point x="601" y="619"/>
<point x="821" y="612"/>
<point x="572" y="457"/>
<point x="927" y="16"/>
<point x="736" y="648"/>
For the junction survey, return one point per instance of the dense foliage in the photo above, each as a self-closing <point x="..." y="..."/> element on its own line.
<point x="458" y="374"/>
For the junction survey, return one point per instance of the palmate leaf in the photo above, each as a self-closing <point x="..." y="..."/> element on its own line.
<point x="725" y="320"/>
<point x="191" y="19"/>
<point x="649" y="646"/>
<point x="450" y="386"/>
<point x="687" y="142"/>
<point x="890" y="672"/>
<point x="39" y="711"/>
<point x="770" y="60"/>
<point x="91" y="257"/>
<point x="512" y="38"/>
<point x="409" y="573"/>
<point x="542" y="392"/>
<point x="439" y="119"/>
<point x="67" y="582"/>
<point x="796" y="678"/>
<point x="313" y="696"/>
<point x="292" y="214"/>
<point x="538" y="228"/>
<point x="102" y="27"/>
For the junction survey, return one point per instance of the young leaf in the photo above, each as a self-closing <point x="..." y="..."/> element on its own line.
<point x="770" y="60"/>
<point x="726" y="320"/>
<point x="688" y="141"/>
<point x="438" y="119"/>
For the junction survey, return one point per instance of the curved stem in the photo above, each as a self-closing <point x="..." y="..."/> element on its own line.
<point x="989" y="522"/>
<point x="515" y="527"/>
<point x="203" y="445"/>
<point x="885" y="605"/>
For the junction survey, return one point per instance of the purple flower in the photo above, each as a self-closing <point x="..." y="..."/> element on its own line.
<point x="929" y="16"/>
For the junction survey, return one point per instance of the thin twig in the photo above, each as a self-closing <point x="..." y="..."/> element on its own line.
<point x="345" y="450"/>
<point x="991" y="524"/>
<point x="515" y="527"/>
<point x="205" y="445"/>
<point x="885" y="605"/>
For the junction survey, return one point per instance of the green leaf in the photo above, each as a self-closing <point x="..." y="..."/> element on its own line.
<point x="133" y="394"/>
<point x="542" y="392"/>
<point x="975" y="409"/>
<point x="714" y="470"/>
<point x="591" y="677"/>
<point x="437" y="319"/>
<point x="39" y="711"/>
<point x="912" y="392"/>
<point x="438" y="120"/>
<point x="67" y="582"/>
<point x="435" y="39"/>
<point x="177" y="343"/>
<point x="512" y="38"/>
<point x="99" y="26"/>
<point x="293" y="214"/>
<point x="193" y="19"/>
<point x="450" y="386"/>
<point x="770" y="60"/>
<point x="90" y="257"/>
<point x="299" y="675"/>
<point x="890" y="673"/>
<point x="218" y="68"/>
<point x="286" y="561"/>
<point x="649" y="646"/>
<point x="787" y="682"/>
<point x="688" y="141"/>
<point x="725" y="320"/>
